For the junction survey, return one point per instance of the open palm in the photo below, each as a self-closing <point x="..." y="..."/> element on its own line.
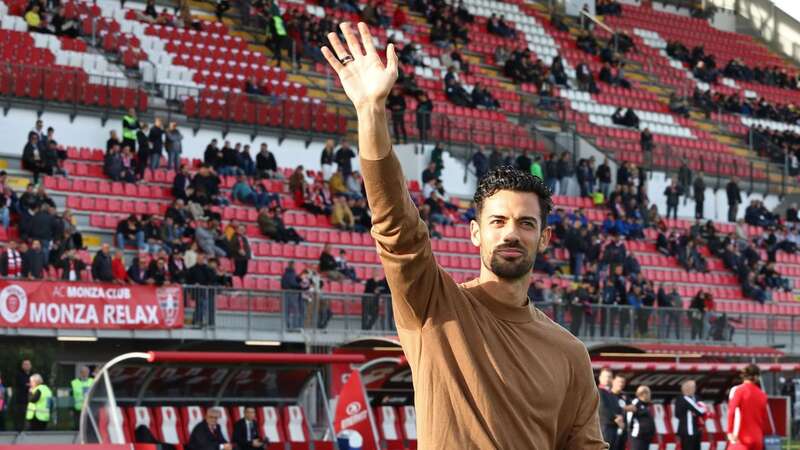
<point x="365" y="79"/>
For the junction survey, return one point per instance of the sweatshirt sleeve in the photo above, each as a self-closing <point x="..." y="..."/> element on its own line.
<point x="402" y="241"/>
<point x="734" y="414"/>
<point x="585" y="433"/>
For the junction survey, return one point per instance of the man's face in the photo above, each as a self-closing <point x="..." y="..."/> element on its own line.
<point x="509" y="233"/>
<point x="618" y="384"/>
<point x="106" y="248"/>
<point x="643" y="395"/>
<point x="689" y="387"/>
<point x="36" y="245"/>
<point x="250" y="414"/>
<point x="26" y="365"/>
<point x="84" y="372"/>
<point x="212" y="415"/>
<point x="605" y="378"/>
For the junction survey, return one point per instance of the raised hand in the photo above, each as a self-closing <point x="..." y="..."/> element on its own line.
<point x="363" y="75"/>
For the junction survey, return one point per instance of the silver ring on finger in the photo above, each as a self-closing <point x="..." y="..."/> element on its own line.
<point x="345" y="60"/>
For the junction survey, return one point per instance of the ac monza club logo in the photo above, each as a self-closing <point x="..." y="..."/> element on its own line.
<point x="353" y="408"/>
<point x="168" y="302"/>
<point x="13" y="303"/>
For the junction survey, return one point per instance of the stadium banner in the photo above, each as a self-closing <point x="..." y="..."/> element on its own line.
<point x="353" y="419"/>
<point x="48" y="304"/>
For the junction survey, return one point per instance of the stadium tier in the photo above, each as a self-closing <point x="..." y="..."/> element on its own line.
<point x="670" y="143"/>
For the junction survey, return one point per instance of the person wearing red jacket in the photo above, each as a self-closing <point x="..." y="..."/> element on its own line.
<point x="747" y="412"/>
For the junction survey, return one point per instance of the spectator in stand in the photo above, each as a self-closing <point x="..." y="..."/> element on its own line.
<point x="43" y="228"/>
<point x="344" y="158"/>
<point x="673" y="192"/>
<point x="563" y="173"/>
<point x="207" y="237"/>
<point x="245" y="161"/>
<point x="113" y="139"/>
<point x="181" y="183"/>
<point x="10" y="261"/>
<point x="71" y="267"/>
<point x="294" y="305"/>
<point x="344" y="267"/>
<point x="266" y="166"/>
<point x="678" y="105"/>
<point x="734" y="198"/>
<point x="603" y="175"/>
<point x="170" y="234"/>
<point x="396" y="103"/>
<point x="699" y="189"/>
<point x="792" y="213"/>
<point x="129" y="231"/>
<point x="697" y="312"/>
<point x="157" y="271"/>
<point x="174" y="144"/>
<point x="34" y="263"/>
<point x="239" y="249"/>
<point x="480" y="163"/>
<point x="144" y="150"/>
<point x="152" y="236"/>
<point x="230" y="159"/>
<point x="178" y="271"/>
<point x="130" y="124"/>
<point x="34" y="20"/>
<point x="341" y="216"/>
<point x="424" y="115"/>
<point x="102" y="265"/>
<point x="205" y="187"/>
<point x="112" y="166"/>
<point x="33" y="158"/>
<point x="156" y="141"/>
<point x="327" y="158"/>
<point x="327" y="264"/>
<point x="454" y="90"/>
<point x="212" y="156"/>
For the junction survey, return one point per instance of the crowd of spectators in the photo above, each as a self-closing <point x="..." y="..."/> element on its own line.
<point x="704" y="67"/>
<point x="190" y="244"/>
<point x="50" y="18"/>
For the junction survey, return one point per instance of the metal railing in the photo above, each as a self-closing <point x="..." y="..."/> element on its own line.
<point x="315" y="313"/>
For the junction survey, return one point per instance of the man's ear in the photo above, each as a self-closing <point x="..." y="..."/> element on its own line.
<point x="544" y="239"/>
<point x="475" y="233"/>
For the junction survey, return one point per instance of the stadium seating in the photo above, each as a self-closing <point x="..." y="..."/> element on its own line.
<point x="286" y="426"/>
<point x="108" y="202"/>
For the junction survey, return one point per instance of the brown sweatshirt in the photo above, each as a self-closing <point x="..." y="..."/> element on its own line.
<point x="486" y="375"/>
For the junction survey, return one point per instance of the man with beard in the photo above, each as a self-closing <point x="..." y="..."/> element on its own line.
<point x="462" y="340"/>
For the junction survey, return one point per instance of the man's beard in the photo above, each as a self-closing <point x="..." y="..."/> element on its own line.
<point x="512" y="269"/>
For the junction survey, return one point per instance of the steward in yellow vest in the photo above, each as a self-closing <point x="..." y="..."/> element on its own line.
<point x="39" y="402"/>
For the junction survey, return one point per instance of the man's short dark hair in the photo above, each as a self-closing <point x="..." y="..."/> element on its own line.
<point x="751" y="372"/>
<point x="507" y="178"/>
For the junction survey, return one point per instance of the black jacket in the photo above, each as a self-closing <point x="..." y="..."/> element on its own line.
<point x="21" y="387"/>
<point x="101" y="268"/>
<point x="156" y="139"/>
<point x="240" y="438"/>
<point x="609" y="408"/>
<point x="67" y="264"/>
<point x="326" y="262"/>
<point x="33" y="264"/>
<point x="203" y="439"/>
<point x="179" y="184"/>
<point x="643" y="427"/>
<point x="42" y="225"/>
<point x="734" y="194"/>
<point x="689" y="415"/>
<point x="266" y="162"/>
<point x="201" y="275"/>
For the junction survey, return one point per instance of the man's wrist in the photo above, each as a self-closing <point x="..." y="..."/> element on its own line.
<point x="371" y="108"/>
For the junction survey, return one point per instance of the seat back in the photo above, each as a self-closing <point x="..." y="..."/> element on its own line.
<point x="295" y="424"/>
<point x="168" y="425"/>
<point x="138" y="416"/>
<point x="191" y="416"/>
<point x="409" y="421"/>
<point x="270" y="424"/>
<point x="225" y="423"/>
<point x="388" y="423"/>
